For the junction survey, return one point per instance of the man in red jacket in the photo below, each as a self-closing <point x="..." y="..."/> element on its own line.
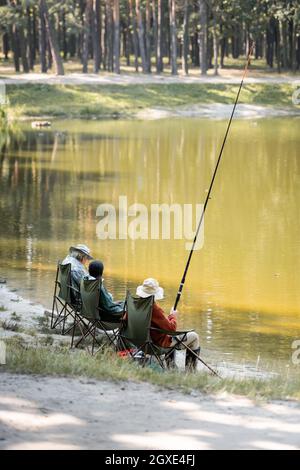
<point x="149" y="288"/>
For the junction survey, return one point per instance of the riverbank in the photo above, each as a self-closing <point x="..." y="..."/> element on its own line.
<point x="33" y="348"/>
<point x="149" y="100"/>
<point x="55" y="398"/>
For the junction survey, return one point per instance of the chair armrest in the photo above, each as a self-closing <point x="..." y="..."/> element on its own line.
<point x="170" y="333"/>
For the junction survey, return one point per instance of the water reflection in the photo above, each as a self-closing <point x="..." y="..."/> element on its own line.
<point x="242" y="292"/>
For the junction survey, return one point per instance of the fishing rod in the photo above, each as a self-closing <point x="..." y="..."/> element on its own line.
<point x="179" y="293"/>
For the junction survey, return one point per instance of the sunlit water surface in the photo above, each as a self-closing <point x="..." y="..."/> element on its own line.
<point x="242" y="291"/>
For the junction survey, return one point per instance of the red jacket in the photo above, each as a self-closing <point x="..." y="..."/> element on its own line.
<point x="165" y="323"/>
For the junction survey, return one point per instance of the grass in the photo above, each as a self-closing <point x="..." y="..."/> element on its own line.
<point x="84" y="101"/>
<point x="15" y="317"/>
<point x="3" y="309"/>
<point x="11" y="326"/>
<point x="43" y="325"/>
<point x="107" y="366"/>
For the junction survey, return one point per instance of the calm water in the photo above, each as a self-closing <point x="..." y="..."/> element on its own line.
<point x="242" y="293"/>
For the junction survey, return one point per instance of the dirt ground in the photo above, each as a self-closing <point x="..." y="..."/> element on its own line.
<point x="62" y="413"/>
<point x="232" y="76"/>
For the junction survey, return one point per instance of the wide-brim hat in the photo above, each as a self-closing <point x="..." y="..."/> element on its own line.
<point x="150" y="287"/>
<point x="83" y="249"/>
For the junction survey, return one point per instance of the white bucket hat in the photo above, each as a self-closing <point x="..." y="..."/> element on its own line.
<point x="83" y="249"/>
<point x="150" y="287"/>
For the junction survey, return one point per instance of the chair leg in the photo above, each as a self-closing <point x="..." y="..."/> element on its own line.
<point x="154" y="353"/>
<point x="54" y="298"/>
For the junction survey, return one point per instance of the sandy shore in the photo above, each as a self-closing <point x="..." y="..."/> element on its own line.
<point x="61" y="413"/>
<point x="64" y="413"/>
<point x="218" y="111"/>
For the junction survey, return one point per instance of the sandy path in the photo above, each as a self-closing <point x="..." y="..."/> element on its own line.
<point x="128" y="79"/>
<point x="61" y="413"/>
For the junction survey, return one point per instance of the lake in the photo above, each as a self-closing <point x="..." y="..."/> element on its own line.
<point x="242" y="291"/>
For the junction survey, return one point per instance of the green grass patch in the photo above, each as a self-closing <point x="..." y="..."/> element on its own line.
<point x="84" y="101"/>
<point x="106" y="365"/>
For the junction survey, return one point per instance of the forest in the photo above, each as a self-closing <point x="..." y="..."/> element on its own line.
<point x="148" y="35"/>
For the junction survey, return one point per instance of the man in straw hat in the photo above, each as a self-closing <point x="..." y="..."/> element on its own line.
<point x="78" y="257"/>
<point x="149" y="288"/>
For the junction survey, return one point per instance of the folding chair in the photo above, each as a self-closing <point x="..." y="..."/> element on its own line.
<point x="91" y="318"/>
<point x="137" y="332"/>
<point x="66" y="299"/>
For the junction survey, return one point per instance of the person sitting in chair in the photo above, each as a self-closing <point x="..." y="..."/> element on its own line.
<point x="78" y="257"/>
<point x="107" y="304"/>
<point x="149" y="288"/>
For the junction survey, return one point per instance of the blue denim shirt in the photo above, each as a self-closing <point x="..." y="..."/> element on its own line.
<point x="78" y="271"/>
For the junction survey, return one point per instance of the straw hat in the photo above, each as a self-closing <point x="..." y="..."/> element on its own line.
<point x="83" y="249"/>
<point x="150" y="287"/>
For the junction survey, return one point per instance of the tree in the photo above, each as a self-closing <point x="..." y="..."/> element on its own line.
<point x="148" y="36"/>
<point x="106" y="30"/>
<point x="159" y="62"/>
<point x="185" y="37"/>
<point x="52" y="37"/>
<point x="133" y="28"/>
<point x="141" y="35"/>
<point x="116" y="17"/>
<point x="203" y="36"/>
<point x="173" y="33"/>
<point x="96" y="34"/>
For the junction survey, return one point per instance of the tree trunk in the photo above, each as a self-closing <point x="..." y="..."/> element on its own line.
<point x="223" y="52"/>
<point x="109" y="36"/>
<point x="96" y="34"/>
<point x="216" y="45"/>
<point x="295" y="41"/>
<point x="50" y="58"/>
<point x="5" y="42"/>
<point x="14" y="39"/>
<point x="148" y="35"/>
<point x="173" y="36"/>
<point x="134" y="36"/>
<point x="154" y="18"/>
<point x="23" y="49"/>
<point x="86" y="35"/>
<point x="30" y="26"/>
<point x="278" y="46"/>
<point x="141" y="35"/>
<point x="43" y="41"/>
<point x="116" y="17"/>
<point x="64" y="35"/>
<point x="203" y="36"/>
<point x="159" y="63"/>
<point x="270" y="42"/>
<point x="59" y="68"/>
<point x="185" y="45"/>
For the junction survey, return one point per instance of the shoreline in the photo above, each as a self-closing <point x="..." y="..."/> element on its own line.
<point x="150" y="101"/>
<point x="211" y="419"/>
<point x="214" y="112"/>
